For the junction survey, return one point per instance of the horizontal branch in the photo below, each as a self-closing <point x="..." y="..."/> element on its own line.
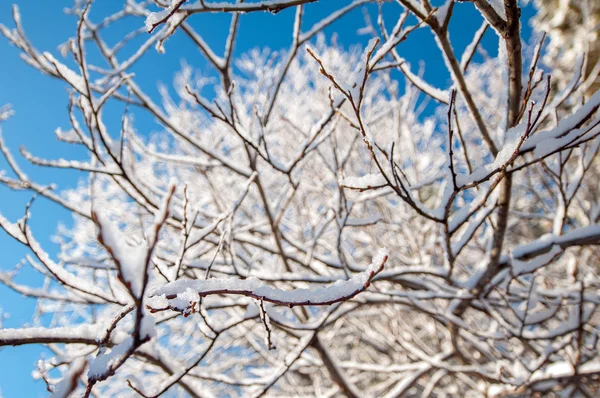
<point x="183" y="293"/>
<point x="82" y="334"/>
<point x="589" y="235"/>
<point x="156" y="19"/>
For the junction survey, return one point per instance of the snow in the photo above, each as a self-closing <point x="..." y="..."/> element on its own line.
<point x="435" y="93"/>
<point x="510" y="147"/>
<point x="70" y="379"/>
<point x="12" y="229"/>
<point x="554" y="371"/>
<point x="214" y="58"/>
<point x="589" y="232"/>
<point x="397" y="36"/>
<point x="565" y="125"/>
<point x="70" y="164"/>
<point x="570" y="88"/>
<point x="183" y="292"/>
<point x="442" y="12"/>
<point x="540" y="243"/>
<point x="590" y="367"/>
<point x="545" y="242"/>
<point x="551" y="145"/>
<point x="367" y="181"/>
<point x="498" y="6"/>
<point x="6" y="278"/>
<point x="69" y="75"/>
<point x="589" y="156"/>
<point x="147" y="325"/>
<point x="154" y="17"/>
<point x="11" y="161"/>
<point x="61" y="274"/>
<point x="131" y="259"/>
<point x="566" y="326"/>
<point x="537" y="317"/>
<point x="5" y="113"/>
<point x="316" y="129"/>
<point x="474" y="222"/>
<point x="445" y="197"/>
<point x="205" y="5"/>
<point x="462" y="215"/>
<point x="105" y="360"/>
<point x="360" y="222"/>
<point x="513" y="140"/>
<point x="353" y="90"/>
<point x="479" y="271"/>
<point x="417" y="5"/>
<point x="525" y="267"/>
<point x="67" y="136"/>
<point x="472" y="47"/>
<point x="92" y="332"/>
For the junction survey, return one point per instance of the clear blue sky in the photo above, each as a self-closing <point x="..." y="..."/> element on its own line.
<point x="40" y="104"/>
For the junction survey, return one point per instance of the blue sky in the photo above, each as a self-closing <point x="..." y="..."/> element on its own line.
<point x="40" y="105"/>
